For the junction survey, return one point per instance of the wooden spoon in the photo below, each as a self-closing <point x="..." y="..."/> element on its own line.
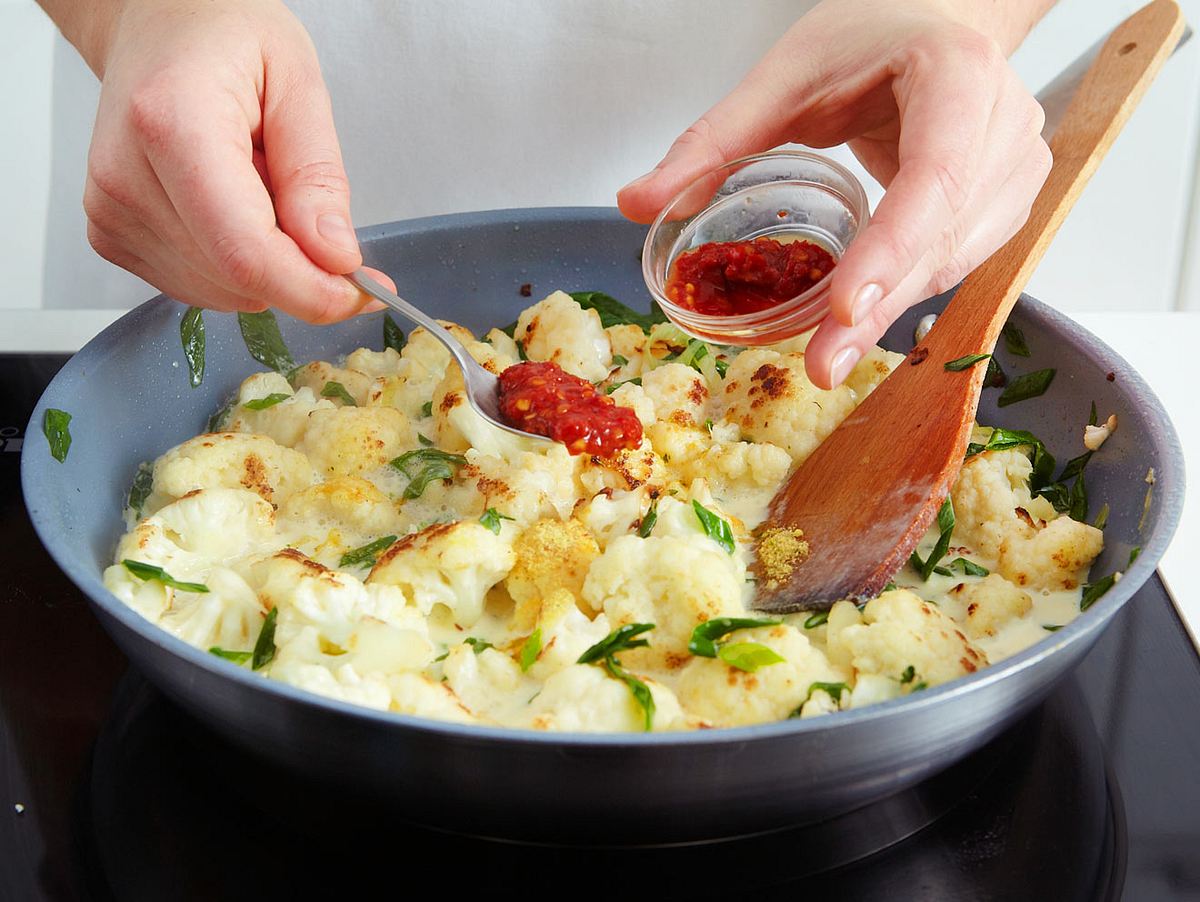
<point x="869" y="492"/>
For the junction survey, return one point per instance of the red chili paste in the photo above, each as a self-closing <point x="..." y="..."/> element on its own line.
<point x="729" y="278"/>
<point x="542" y="398"/>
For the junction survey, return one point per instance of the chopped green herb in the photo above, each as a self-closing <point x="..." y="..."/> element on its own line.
<point x="237" y="657"/>
<point x="263" y="403"/>
<point x="1004" y="439"/>
<point x="56" y="428"/>
<point x="443" y="656"/>
<point x="264" y="341"/>
<point x="909" y="674"/>
<point x="636" y="380"/>
<point x="834" y="690"/>
<point x="1052" y="627"/>
<point x="1134" y="553"/>
<point x="969" y="568"/>
<point x="264" y="647"/>
<point x="619" y="360"/>
<point x="531" y="649"/>
<point x="964" y="363"/>
<point x="427" y="409"/>
<point x="708" y="424"/>
<point x="945" y="519"/>
<point x="890" y="587"/>
<point x="478" y="645"/>
<point x="435" y="464"/>
<point x="151" y="572"/>
<point x="1102" y="517"/>
<point x="691" y="355"/>
<point x="426" y="441"/>
<point x="705" y="636"/>
<point x="618" y="640"/>
<point x="1014" y="340"/>
<point x="191" y="333"/>
<point x="393" y="335"/>
<point x="1031" y="385"/>
<point x="337" y="390"/>
<point x="491" y="519"/>
<point x="920" y="686"/>
<point x="143" y="484"/>
<point x="995" y="377"/>
<point x="1092" y="415"/>
<point x="217" y="420"/>
<point x="366" y="555"/>
<point x="722" y="367"/>
<point x="749" y="656"/>
<point x="647" y="525"/>
<point x="614" y="313"/>
<point x="641" y="692"/>
<point x="715" y="527"/>
<point x="521" y="350"/>
<point x="1093" y="591"/>
<point x="817" y="619"/>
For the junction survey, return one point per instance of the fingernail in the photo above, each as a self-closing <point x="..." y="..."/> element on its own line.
<point x="334" y="229"/>
<point x="843" y="363"/>
<point x="641" y="179"/>
<point x="864" y="302"/>
<point x="372" y="306"/>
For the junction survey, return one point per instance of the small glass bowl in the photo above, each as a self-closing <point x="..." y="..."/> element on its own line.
<point x="772" y="194"/>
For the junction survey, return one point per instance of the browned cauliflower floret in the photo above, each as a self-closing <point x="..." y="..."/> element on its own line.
<point x="317" y="375"/>
<point x="559" y="330"/>
<point x="551" y="554"/>
<point x="899" y="630"/>
<point x="678" y="392"/>
<point x="769" y="396"/>
<point x="351" y="440"/>
<point x="229" y="460"/>
<point x="990" y="604"/>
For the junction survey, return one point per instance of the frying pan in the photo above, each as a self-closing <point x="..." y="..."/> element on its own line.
<point x="129" y="395"/>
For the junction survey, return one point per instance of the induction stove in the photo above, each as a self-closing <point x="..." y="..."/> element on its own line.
<point x="108" y="791"/>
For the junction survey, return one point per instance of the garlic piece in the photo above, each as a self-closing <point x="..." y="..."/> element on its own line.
<point x="1095" y="436"/>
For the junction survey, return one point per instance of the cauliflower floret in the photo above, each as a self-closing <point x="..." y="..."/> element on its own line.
<point x="559" y="330"/>
<point x="678" y="393"/>
<point x="229" y="460"/>
<point x="996" y="517"/>
<point x="422" y="365"/>
<point x="741" y="465"/>
<point x="628" y="341"/>
<point x="229" y="615"/>
<point x="303" y="663"/>
<point x="375" y="647"/>
<point x="583" y="698"/>
<point x="533" y="485"/>
<point x="374" y="363"/>
<point x="457" y="427"/>
<point x="627" y="469"/>
<point x="990" y="604"/>
<point x="420" y="696"/>
<point x="352" y="440"/>
<point x="566" y="633"/>
<point x="452" y="564"/>
<point x="550" y="554"/>
<point x="504" y="345"/>
<point x="316" y="375"/>
<point x="769" y="396"/>
<point x="285" y="421"/>
<point x="490" y="684"/>
<point x="726" y="696"/>
<point x="634" y="397"/>
<point x="899" y="630"/>
<point x="218" y="524"/>
<point x="672" y="582"/>
<point x="875" y="366"/>
<point x="308" y="594"/>
<point x="339" y="515"/>
<point x="609" y="514"/>
<point x="678" y="444"/>
<point x="148" y="597"/>
<point x="1055" y="557"/>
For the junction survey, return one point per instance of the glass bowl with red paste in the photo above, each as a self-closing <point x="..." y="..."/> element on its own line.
<point x="744" y="254"/>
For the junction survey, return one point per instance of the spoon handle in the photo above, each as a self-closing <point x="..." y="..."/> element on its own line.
<point x="1107" y="96"/>
<point x="365" y="283"/>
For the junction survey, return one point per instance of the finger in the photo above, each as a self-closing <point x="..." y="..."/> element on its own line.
<point x="304" y="165"/>
<point x="207" y="171"/>
<point x="945" y="102"/>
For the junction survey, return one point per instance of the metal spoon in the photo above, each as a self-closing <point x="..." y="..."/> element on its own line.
<point x="482" y="387"/>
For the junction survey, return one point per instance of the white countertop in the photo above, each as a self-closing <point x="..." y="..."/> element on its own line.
<point x="1159" y="345"/>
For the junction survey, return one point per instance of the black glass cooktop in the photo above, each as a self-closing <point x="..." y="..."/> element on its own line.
<point x="109" y="792"/>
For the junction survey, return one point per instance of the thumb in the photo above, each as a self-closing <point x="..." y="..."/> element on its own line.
<point x="304" y="164"/>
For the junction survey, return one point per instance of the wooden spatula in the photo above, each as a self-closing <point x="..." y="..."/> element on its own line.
<point x="868" y="493"/>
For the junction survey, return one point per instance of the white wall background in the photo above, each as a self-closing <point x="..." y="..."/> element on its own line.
<point x="1132" y="243"/>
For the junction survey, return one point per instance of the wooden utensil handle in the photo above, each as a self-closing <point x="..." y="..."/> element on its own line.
<point x="1118" y="79"/>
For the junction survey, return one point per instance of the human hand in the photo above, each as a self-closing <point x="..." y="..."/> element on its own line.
<point x="214" y="171"/>
<point x="930" y="107"/>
